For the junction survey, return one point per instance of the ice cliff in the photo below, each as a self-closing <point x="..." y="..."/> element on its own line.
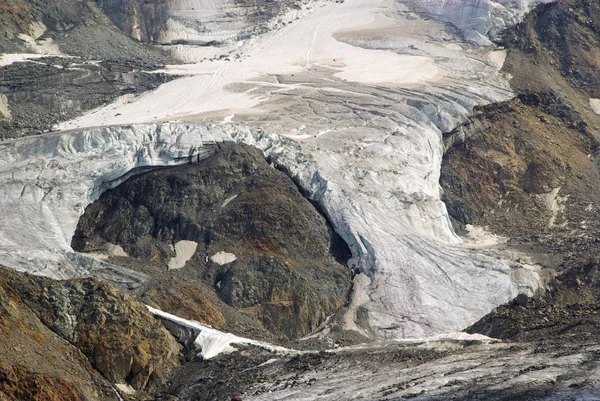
<point x="477" y="20"/>
<point x="350" y="101"/>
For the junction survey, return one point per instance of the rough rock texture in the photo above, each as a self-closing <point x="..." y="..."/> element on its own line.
<point x="141" y="19"/>
<point x="35" y="363"/>
<point x="45" y="91"/>
<point x="285" y="272"/>
<point x="118" y="335"/>
<point x="198" y="22"/>
<point x="69" y="26"/>
<point x="365" y="143"/>
<point x="558" y="369"/>
<point x="528" y="169"/>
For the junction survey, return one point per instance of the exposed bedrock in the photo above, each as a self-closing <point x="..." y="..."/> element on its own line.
<point x="478" y="20"/>
<point x="256" y="241"/>
<point x="67" y="341"/>
<point x="68" y="27"/>
<point x="367" y="152"/>
<point x="118" y="336"/>
<point x="89" y="63"/>
<point x="40" y="93"/>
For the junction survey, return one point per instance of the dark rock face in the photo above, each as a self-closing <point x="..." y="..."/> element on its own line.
<point x="146" y="20"/>
<point x="50" y="90"/>
<point x="142" y="20"/>
<point x="285" y="274"/>
<point x="78" y="28"/>
<point x="17" y="383"/>
<point x="117" y="334"/>
<point x="566" y="35"/>
<point x="541" y="140"/>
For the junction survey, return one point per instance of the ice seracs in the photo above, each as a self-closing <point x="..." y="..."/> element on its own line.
<point x="478" y="20"/>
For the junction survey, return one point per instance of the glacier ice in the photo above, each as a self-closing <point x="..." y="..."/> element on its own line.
<point x="350" y="100"/>
<point x="477" y="20"/>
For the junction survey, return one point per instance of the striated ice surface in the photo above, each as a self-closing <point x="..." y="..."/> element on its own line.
<point x="351" y="101"/>
<point x="419" y="280"/>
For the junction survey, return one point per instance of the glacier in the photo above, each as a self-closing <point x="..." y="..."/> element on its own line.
<point x="351" y="101"/>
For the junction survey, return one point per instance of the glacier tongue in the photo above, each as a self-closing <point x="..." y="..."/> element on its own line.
<point x="421" y="281"/>
<point x="351" y="101"/>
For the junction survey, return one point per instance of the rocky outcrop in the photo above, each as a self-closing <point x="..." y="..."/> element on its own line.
<point x="45" y="91"/>
<point x="36" y="363"/>
<point x="261" y="246"/>
<point x="17" y="383"/>
<point x="518" y="162"/>
<point x="67" y="26"/>
<point x="118" y="335"/>
<point x="478" y="20"/>
<point x="142" y="20"/>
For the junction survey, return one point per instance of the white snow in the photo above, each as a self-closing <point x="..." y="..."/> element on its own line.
<point x="314" y="46"/>
<point x="223" y="258"/>
<point x="125" y="388"/>
<point x="37" y="45"/>
<point x="595" y="105"/>
<point x="481" y="237"/>
<point x="554" y="204"/>
<point x="226" y="202"/>
<point x="8" y="59"/>
<point x="4" y="110"/>
<point x="184" y="250"/>
<point x="116" y="250"/>
<point x="212" y="342"/>
<point x="47" y="181"/>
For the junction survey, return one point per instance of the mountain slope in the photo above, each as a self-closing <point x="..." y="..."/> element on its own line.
<point x="528" y="169"/>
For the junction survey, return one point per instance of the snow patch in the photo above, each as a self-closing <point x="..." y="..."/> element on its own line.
<point x="4" y="110"/>
<point x="497" y="58"/>
<point x="595" y="104"/>
<point x="184" y="250"/>
<point x="116" y="250"/>
<point x="375" y="174"/>
<point x="125" y="388"/>
<point x="37" y="45"/>
<point x="554" y="204"/>
<point x="223" y="258"/>
<point x="226" y="202"/>
<point x="212" y="342"/>
<point x="480" y="237"/>
<point x="8" y="59"/>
